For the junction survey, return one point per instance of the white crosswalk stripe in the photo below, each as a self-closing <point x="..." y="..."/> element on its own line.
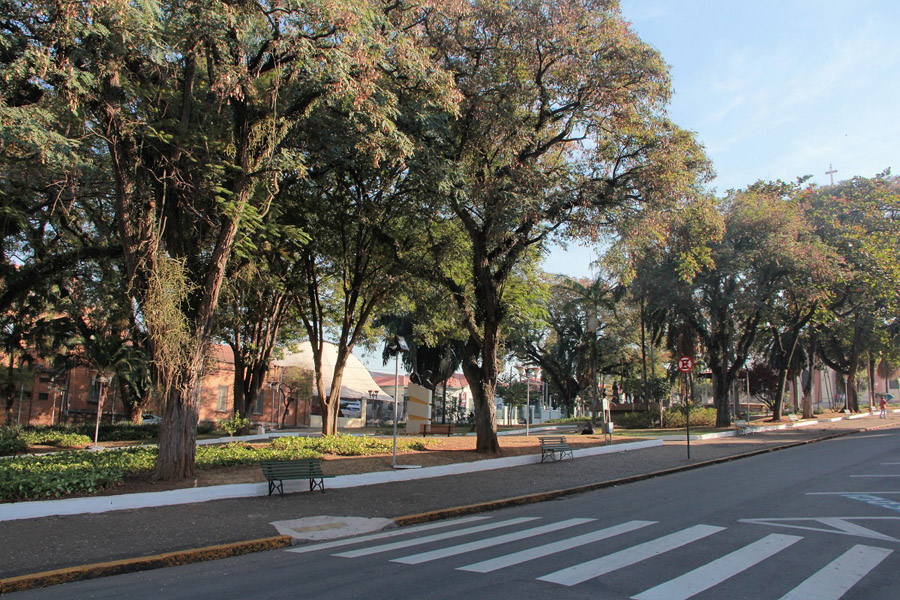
<point x="629" y="556"/>
<point x="841" y="574"/>
<point x="423" y="557"/>
<point x="831" y="582"/>
<point x="516" y="558"/>
<point x="717" y="571"/>
<point x="434" y="538"/>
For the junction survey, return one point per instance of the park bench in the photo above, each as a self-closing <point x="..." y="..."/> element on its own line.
<point x="551" y="446"/>
<point x="435" y="428"/>
<point x="304" y="468"/>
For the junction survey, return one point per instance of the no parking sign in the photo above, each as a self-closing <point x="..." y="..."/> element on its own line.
<point x="685" y="364"/>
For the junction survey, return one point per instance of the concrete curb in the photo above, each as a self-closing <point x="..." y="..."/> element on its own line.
<point x="144" y="563"/>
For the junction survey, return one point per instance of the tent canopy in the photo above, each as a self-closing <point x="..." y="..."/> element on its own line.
<point x="356" y="383"/>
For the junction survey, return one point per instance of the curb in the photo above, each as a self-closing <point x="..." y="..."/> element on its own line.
<point x="446" y="513"/>
<point x="144" y="563"/>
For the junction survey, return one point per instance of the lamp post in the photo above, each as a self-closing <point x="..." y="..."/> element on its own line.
<point x="54" y="390"/>
<point x="274" y="385"/>
<point x="398" y="346"/>
<point x="102" y="378"/>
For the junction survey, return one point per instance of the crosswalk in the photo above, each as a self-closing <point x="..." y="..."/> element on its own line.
<point x="582" y="543"/>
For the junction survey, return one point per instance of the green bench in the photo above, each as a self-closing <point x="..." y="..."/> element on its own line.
<point x="434" y="428"/>
<point x="551" y="446"/>
<point x="277" y="471"/>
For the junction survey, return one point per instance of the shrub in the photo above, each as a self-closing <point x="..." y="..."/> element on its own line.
<point x="700" y="417"/>
<point x="234" y="423"/>
<point x="347" y="445"/>
<point x="635" y="420"/>
<point x="12" y="444"/>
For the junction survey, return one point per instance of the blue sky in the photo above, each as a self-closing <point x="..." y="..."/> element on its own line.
<point x="777" y="89"/>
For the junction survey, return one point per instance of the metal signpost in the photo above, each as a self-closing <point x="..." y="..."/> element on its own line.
<point x="686" y="365"/>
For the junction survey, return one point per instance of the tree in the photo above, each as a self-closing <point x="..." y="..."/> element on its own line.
<point x="561" y="129"/>
<point x="189" y="105"/>
<point x="858" y="219"/>
<point x="717" y="274"/>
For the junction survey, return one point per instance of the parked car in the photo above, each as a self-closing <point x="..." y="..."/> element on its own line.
<point x="151" y="419"/>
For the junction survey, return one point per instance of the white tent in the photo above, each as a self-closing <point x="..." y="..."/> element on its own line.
<point x="356" y="382"/>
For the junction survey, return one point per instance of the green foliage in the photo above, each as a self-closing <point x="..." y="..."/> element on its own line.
<point x="50" y="437"/>
<point x="11" y="444"/>
<point x="79" y="471"/>
<point x="635" y="420"/>
<point x="700" y="417"/>
<point x="347" y="445"/>
<point x="234" y="423"/>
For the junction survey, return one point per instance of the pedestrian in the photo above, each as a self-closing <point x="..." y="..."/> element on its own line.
<point x="883" y="405"/>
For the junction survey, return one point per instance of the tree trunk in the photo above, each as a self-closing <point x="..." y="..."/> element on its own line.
<point x="178" y="430"/>
<point x="778" y="404"/>
<point x="483" y="387"/>
<point x="720" y="396"/>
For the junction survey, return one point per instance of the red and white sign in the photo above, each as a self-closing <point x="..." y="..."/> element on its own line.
<point x="685" y="364"/>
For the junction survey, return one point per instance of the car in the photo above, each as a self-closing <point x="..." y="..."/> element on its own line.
<point x="150" y="419"/>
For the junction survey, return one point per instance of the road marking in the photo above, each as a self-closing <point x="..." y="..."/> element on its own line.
<point x="839" y="525"/>
<point x="875" y="476"/>
<point x="875" y="501"/>
<point x="842" y="493"/>
<point x="834" y="579"/>
<point x="605" y="564"/>
<point x="516" y="558"/>
<point x="424" y="557"/>
<point x="717" y="571"/>
<point x="434" y="538"/>
<point x="379" y="536"/>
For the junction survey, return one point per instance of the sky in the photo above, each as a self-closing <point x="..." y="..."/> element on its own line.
<point x="776" y="89"/>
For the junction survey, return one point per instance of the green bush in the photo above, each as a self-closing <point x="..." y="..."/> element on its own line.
<point x="11" y="445"/>
<point x="66" y="473"/>
<point x="53" y="437"/>
<point x="700" y="417"/>
<point x="347" y="445"/>
<point x="234" y="423"/>
<point x="80" y="471"/>
<point x="635" y="420"/>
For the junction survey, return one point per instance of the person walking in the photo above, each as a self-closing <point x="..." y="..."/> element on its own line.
<point x="883" y="405"/>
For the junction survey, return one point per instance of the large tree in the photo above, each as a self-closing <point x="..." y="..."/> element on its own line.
<point x="562" y="128"/>
<point x="860" y="220"/>
<point x="188" y="105"/>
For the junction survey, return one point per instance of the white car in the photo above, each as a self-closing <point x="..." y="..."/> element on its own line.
<point x="150" y="419"/>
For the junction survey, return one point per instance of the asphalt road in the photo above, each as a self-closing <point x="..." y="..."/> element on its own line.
<point x="815" y="522"/>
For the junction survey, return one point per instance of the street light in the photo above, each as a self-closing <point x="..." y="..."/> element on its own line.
<point x="398" y="346"/>
<point x="102" y="378"/>
<point x="54" y="390"/>
<point x="527" y="371"/>
<point x="274" y="385"/>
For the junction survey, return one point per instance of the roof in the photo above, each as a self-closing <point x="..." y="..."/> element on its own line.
<point x="455" y="381"/>
<point x="356" y="382"/>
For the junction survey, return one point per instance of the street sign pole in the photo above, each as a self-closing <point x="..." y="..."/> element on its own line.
<point x="686" y="365"/>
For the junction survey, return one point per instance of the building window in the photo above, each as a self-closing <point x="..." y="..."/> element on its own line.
<point x="222" y="398"/>
<point x="94" y="392"/>
<point x="258" y="407"/>
<point x="43" y="396"/>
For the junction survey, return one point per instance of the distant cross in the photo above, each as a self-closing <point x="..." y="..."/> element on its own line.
<point x="830" y="172"/>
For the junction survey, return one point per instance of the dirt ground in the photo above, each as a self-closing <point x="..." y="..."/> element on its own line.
<point x="440" y="451"/>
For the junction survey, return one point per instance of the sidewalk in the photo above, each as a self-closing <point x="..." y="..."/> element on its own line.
<point x="37" y="545"/>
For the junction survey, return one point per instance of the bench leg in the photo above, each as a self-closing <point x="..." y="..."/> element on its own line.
<point x="276" y="486"/>
<point x="314" y="483"/>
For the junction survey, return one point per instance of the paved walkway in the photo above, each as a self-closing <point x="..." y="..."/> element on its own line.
<point x="42" y="544"/>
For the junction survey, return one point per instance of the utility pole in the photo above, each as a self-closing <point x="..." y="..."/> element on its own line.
<point x="830" y="172"/>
